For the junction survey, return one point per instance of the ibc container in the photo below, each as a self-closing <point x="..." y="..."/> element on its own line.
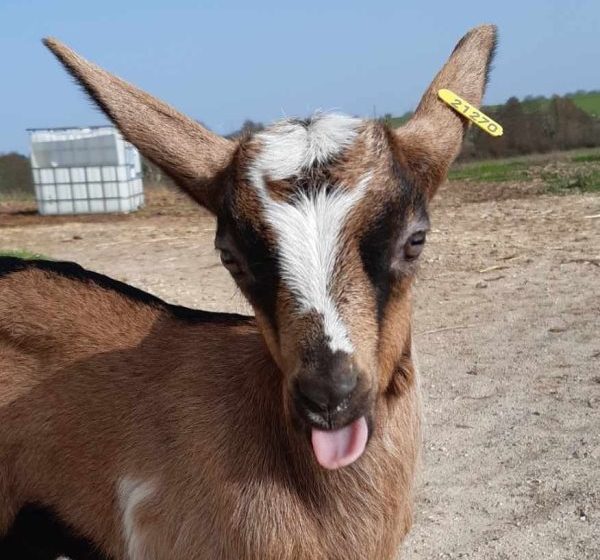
<point x="85" y="170"/>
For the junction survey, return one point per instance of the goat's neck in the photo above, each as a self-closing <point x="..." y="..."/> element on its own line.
<point x="283" y="445"/>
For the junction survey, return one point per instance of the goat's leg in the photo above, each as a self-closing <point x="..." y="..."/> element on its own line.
<point x="24" y="540"/>
<point x="8" y="511"/>
<point x="37" y="534"/>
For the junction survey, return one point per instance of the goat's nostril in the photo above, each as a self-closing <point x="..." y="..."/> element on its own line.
<point x="327" y="394"/>
<point x="345" y="386"/>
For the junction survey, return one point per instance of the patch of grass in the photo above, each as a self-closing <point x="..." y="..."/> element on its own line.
<point x="21" y="254"/>
<point x="16" y="196"/>
<point x="577" y="180"/>
<point x="589" y="102"/>
<point x="560" y="172"/>
<point x="491" y="171"/>
<point x="395" y="122"/>
<point x="586" y="158"/>
<point x="536" y="105"/>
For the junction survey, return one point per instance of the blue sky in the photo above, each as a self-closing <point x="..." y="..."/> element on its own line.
<point x="223" y="62"/>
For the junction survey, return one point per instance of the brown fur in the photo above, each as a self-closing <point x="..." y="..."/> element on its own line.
<point x="97" y="387"/>
<point x="126" y="388"/>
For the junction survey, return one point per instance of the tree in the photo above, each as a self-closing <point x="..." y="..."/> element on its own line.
<point x="248" y="127"/>
<point x="15" y="174"/>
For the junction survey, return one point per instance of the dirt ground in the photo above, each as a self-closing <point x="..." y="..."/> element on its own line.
<point x="507" y="326"/>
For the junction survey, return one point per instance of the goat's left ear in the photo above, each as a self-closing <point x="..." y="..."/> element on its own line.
<point x="431" y="140"/>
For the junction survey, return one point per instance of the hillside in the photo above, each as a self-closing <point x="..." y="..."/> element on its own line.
<point x="533" y="125"/>
<point x="588" y="101"/>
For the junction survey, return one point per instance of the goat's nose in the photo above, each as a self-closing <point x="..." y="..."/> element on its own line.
<point x="328" y="388"/>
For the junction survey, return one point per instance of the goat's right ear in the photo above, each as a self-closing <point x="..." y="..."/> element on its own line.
<point x="430" y="141"/>
<point x="189" y="153"/>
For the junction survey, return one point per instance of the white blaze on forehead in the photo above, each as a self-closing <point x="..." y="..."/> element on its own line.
<point x="308" y="226"/>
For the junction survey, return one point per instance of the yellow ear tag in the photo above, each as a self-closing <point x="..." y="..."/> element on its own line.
<point x="472" y="113"/>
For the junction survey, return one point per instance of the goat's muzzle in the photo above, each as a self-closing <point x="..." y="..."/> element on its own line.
<point x="329" y="398"/>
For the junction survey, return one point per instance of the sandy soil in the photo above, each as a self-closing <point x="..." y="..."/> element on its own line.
<point x="508" y="332"/>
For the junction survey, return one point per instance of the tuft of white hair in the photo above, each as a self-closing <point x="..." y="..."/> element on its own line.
<point x="290" y="146"/>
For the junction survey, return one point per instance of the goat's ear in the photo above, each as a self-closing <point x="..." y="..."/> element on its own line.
<point x="431" y="140"/>
<point x="189" y="153"/>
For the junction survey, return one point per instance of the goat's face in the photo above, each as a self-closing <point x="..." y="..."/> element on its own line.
<point x="321" y="223"/>
<point x="321" y="231"/>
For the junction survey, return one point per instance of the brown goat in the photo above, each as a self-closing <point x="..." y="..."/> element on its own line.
<point x="156" y="431"/>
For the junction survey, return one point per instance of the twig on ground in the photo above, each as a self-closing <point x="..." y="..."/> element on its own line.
<point x="140" y="241"/>
<point x="444" y="329"/>
<point x="513" y="257"/>
<point x="584" y="260"/>
<point x="490" y="268"/>
<point x="483" y="397"/>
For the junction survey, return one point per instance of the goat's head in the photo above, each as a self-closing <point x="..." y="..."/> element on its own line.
<point x="321" y="223"/>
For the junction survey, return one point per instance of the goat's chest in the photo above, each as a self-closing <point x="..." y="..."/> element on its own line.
<point x="267" y="524"/>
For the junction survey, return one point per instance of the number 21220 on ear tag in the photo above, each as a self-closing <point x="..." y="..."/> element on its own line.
<point x="472" y="113"/>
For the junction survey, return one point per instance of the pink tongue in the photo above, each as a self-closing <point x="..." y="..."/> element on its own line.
<point x="339" y="448"/>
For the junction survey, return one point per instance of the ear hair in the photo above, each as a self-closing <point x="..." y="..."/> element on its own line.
<point x="428" y="144"/>
<point x="189" y="153"/>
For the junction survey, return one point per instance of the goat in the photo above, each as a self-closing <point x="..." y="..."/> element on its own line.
<point x="154" y="431"/>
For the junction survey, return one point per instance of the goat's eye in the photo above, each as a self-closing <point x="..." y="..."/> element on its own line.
<point x="229" y="262"/>
<point x="414" y="245"/>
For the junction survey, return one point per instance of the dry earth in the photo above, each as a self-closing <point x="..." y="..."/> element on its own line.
<point x="508" y="331"/>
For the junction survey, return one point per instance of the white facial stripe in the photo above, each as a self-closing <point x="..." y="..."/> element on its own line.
<point x="308" y="228"/>
<point x="131" y="493"/>
<point x="308" y="242"/>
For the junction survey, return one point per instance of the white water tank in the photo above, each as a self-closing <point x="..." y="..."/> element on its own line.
<point x="85" y="170"/>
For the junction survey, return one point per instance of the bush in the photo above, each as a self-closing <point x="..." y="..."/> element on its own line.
<point x="15" y="176"/>
<point x="534" y="126"/>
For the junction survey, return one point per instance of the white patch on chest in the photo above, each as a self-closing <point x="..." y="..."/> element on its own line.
<point x="308" y="228"/>
<point x="132" y="492"/>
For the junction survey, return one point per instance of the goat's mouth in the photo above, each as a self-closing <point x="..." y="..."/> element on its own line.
<point x="338" y="448"/>
<point x="338" y="437"/>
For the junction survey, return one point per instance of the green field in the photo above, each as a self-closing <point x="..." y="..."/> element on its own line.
<point x="578" y="180"/>
<point x="21" y="254"/>
<point x="563" y="172"/>
<point x="491" y="171"/>
<point x="588" y="101"/>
